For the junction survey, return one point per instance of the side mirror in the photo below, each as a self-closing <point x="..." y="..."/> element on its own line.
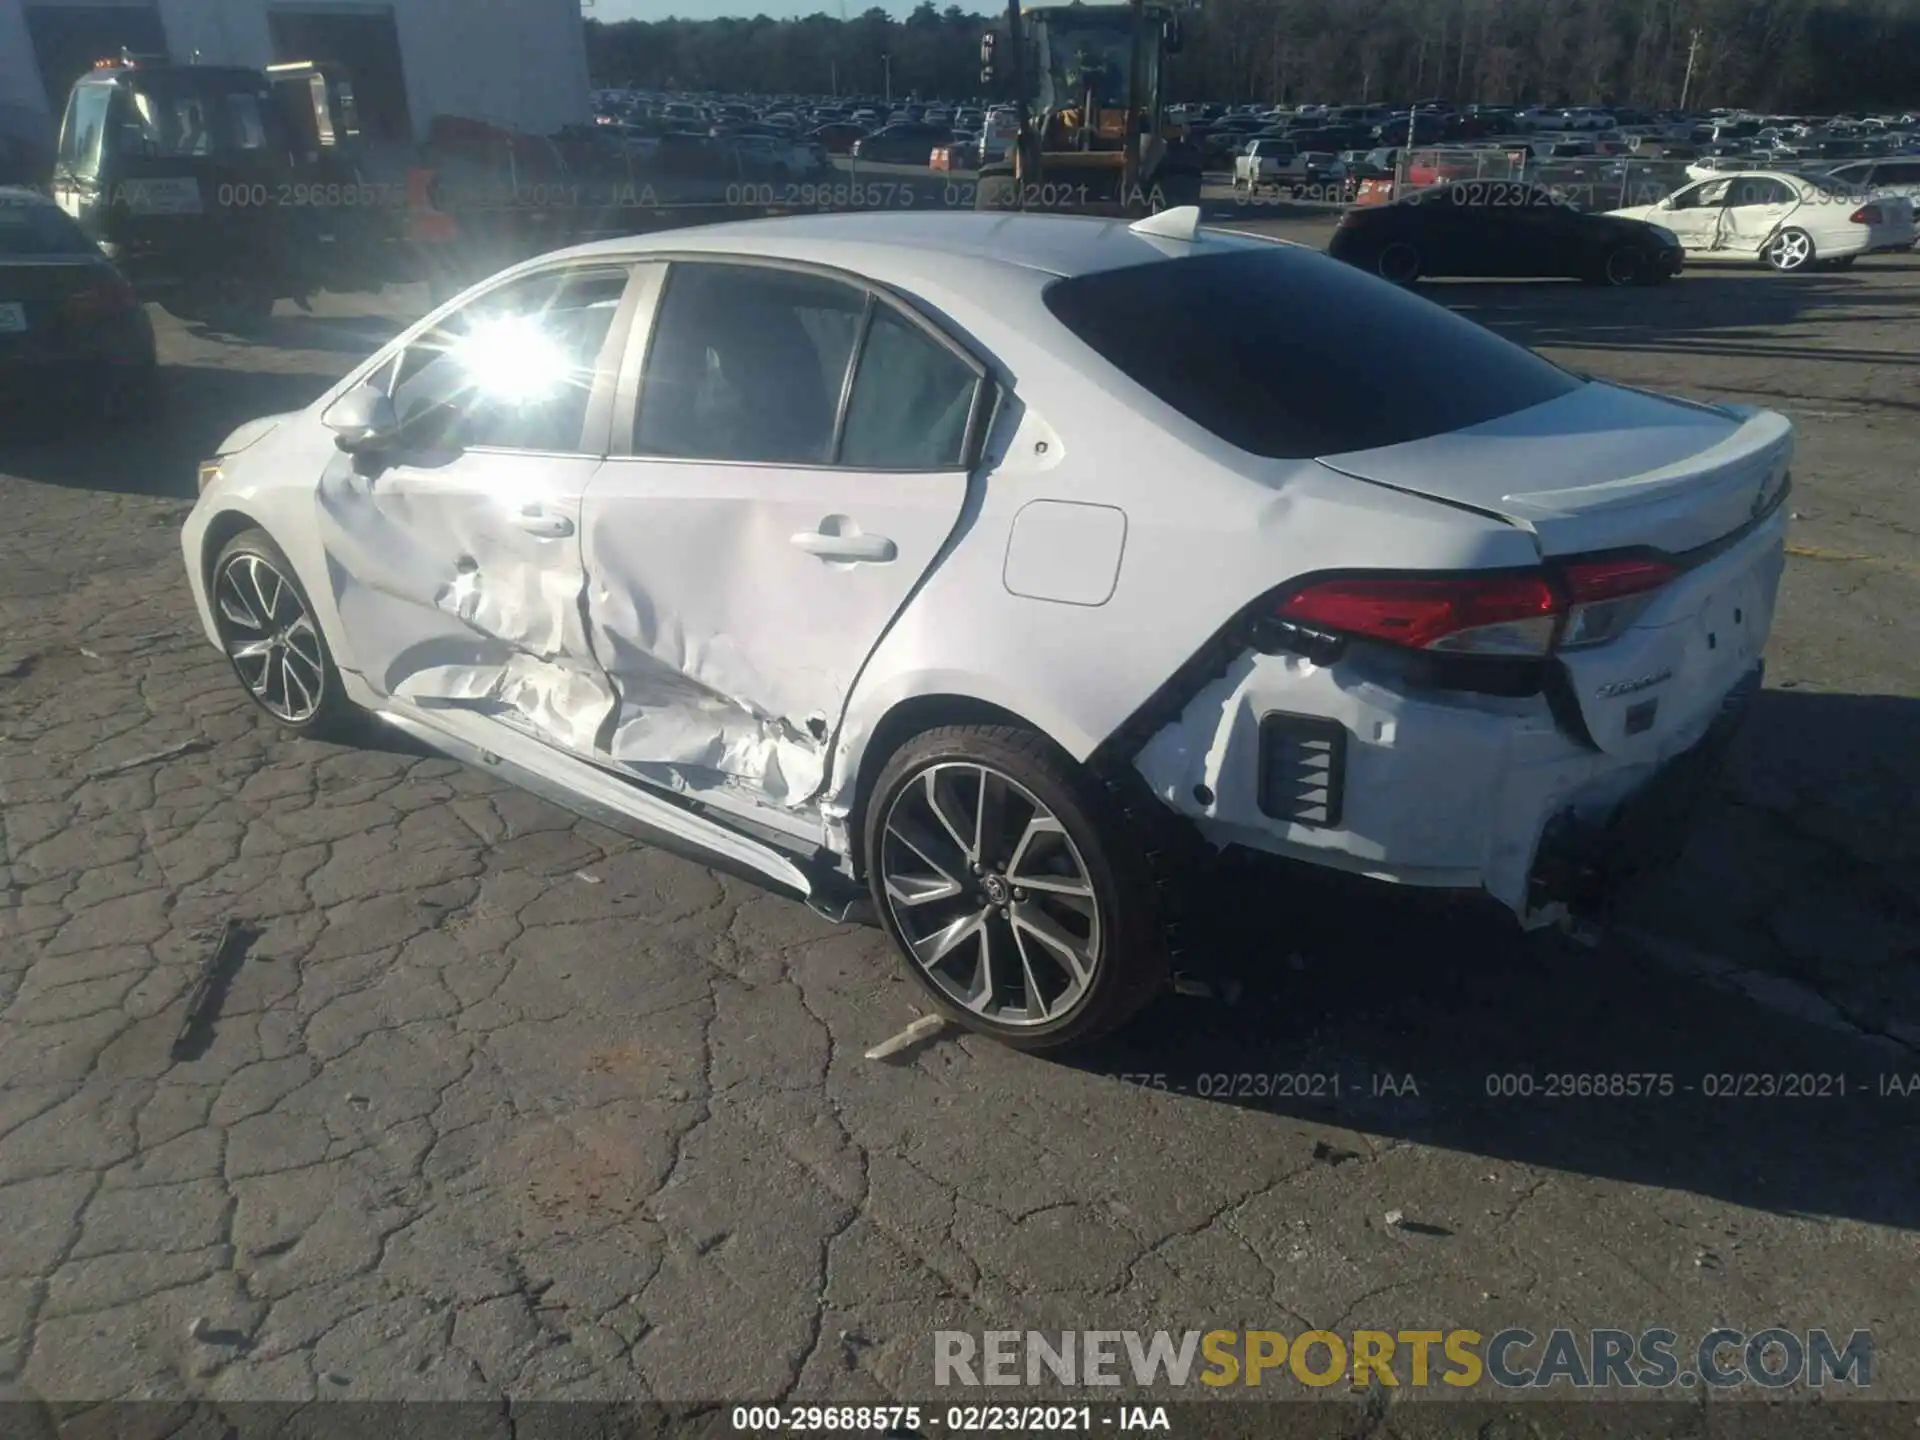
<point x="363" y="420"/>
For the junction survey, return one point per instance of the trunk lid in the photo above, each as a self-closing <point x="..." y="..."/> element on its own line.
<point x="34" y="290"/>
<point x="1655" y="688"/>
<point x="1601" y="468"/>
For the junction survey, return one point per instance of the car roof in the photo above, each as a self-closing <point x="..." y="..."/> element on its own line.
<point x="902" y="246"/>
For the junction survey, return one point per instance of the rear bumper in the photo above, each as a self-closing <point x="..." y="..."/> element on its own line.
<point x="1585" y="861"/>
<point x="1349" y="769"/>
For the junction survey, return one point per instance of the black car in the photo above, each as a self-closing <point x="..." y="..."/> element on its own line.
<point x="72" y="332"/>
<point x="904" y="142"/>
<point x="1504" y="229"/>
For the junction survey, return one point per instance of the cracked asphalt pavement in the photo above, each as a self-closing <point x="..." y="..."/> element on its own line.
<point x="487" y="1100"/>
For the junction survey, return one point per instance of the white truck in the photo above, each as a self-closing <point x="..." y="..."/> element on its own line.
<point x="1262" y="162"/>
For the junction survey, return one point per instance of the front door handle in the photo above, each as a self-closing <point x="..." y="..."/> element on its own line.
<point x="872" y="548"/>
<point x="544" y="524"/>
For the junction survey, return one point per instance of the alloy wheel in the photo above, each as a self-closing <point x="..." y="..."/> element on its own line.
<point x="1399" y="263"/>
<point x="270" y="638"/>
<point x="990" y="894"/>
<point x="1623" y="267"/>
<point x="1790" y="250"/>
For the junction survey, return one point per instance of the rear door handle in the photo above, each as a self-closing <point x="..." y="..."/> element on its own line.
<point x="876" y="548"/>
<point x="544" y="524"/>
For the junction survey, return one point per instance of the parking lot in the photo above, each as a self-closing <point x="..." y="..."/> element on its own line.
<point x="488" y="1100"/>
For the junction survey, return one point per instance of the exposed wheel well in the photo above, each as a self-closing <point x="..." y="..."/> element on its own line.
<point x="899" y="725"/>
<point x="222" y="528"/>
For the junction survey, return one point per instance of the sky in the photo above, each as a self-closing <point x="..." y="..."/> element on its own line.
<point x="611" y="10"/>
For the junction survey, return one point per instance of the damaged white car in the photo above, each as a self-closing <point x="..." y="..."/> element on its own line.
<point x="971" y="564"/>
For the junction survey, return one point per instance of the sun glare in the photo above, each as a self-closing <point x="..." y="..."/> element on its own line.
<point x="513" y="359"/>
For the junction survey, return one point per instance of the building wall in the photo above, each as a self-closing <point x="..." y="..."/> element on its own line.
<point x="518" y="62"/>
<point x="19" y="75"/>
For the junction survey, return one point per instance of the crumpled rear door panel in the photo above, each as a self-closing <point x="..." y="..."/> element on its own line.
<point x="731" y="646"/>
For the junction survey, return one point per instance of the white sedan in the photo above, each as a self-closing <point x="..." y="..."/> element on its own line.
<point x="1793" y="222"/>
<point x="985" y="571"/>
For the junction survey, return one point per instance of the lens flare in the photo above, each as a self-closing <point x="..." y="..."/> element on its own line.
<point x="514" y="360"/>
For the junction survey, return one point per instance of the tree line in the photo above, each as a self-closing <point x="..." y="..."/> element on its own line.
<point x="1781" y="55"/>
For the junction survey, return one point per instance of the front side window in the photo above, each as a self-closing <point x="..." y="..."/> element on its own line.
<point x="515" y="368"/>
<point x="747" y="364"/>
<point x="1703" y="196"/>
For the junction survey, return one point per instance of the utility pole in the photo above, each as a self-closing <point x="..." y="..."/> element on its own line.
<point x="886" y="62"/>
<point x="1693" y="52"/>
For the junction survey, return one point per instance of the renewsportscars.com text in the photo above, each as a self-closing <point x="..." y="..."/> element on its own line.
<point x="1772" y="1358"/>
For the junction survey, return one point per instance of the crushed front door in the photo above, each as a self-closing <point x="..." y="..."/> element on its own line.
<point x="455" y="560"/>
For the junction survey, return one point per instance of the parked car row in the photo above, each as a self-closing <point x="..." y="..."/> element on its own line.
<point x="1506" y="228"/>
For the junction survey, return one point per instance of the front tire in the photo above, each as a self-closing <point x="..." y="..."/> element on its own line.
<point x="1016" y="892"/>
<point x="1790" y="252"/>
<point x="271" y="635"/>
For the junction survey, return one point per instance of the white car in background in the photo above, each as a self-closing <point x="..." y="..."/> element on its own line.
<point x="1792" y="222"/>
<point x="988" y="570"/>
<point x="1885" y="175"/>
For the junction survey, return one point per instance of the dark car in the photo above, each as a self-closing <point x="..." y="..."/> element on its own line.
<point x="902" y="143"/>
<point x="1504" y="229"/>
<point x="73" y="335"/>
<point x="837" y="137"/>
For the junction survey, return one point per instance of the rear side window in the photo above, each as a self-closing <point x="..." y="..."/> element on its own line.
<point x="1287" y="354"/>
<point x="910" y="403"/>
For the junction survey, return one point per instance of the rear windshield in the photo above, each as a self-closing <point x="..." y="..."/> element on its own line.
<point x="184" y="114"/>
<point x="30" y="226"/>
<point x="1287" y="354"/>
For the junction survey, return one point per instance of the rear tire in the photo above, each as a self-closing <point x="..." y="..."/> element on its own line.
<point x="237" y="306"/>
<point x="133" y="395"/>
<point x="996" y="190"/>
<point x="1035" y="919"/>
<point x="1398" y="263"/>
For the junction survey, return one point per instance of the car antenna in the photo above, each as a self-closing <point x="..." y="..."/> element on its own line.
<point x="1180" y="223"/>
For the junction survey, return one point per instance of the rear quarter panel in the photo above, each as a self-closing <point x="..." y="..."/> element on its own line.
<point x="1208" y="530"/>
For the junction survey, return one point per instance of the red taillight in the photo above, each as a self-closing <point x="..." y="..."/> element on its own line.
<point x="1606" y="596"/>
<point x="1510" y="614"/>
<point x="103" y="300"/>
<point x="1523" y="613"/>
<point x="1588" y="581"/>
<point x="1867" y="215"/>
